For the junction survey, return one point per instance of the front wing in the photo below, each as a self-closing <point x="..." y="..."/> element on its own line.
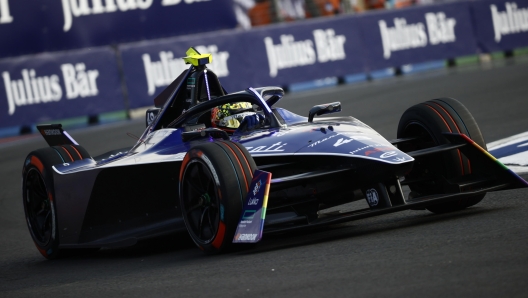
<point x="494" y="176"/>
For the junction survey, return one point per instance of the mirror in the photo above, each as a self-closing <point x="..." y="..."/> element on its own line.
<point x="323" y="109"/>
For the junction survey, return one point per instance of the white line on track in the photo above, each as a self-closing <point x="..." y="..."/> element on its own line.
<point x="512" y="151"/>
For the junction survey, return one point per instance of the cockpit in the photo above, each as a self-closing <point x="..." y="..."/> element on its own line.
<point x="191" y="100"/>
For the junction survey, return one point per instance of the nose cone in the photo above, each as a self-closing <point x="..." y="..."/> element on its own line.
<point x="351" y="139"/>
<point x="354" y="141"/>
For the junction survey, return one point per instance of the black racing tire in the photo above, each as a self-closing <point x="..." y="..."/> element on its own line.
<point x="38" y="198"/>
<point x="71" y="153"/>
<point x="38" y="195"/>
<point x="429" y="120"/>
<point x="214" y="180"/>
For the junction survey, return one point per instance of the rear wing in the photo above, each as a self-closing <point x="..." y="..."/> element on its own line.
<point x="55" y="135"/>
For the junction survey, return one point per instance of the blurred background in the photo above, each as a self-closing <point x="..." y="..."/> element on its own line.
<point x="264" y="12"/>
<point x="82" y="62"/>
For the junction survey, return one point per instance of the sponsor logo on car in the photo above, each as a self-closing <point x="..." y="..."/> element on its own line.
<point x="32" y="89"/>
<point x="388" y="154"/>
<point x="241" y="237"/>
<point x="372" y="197"/>
<point x="375" y="150"/>
<point x="112" y="157"/>
<point x="325" y="47"/>
<point x="277" y="147"/>
<point x="366" y="147"/>
<point x="342" y="141"/>
<point x="177" y="156"/>
<point x="321" y="141"/>
<point x="150" y="117"/>
<point x="510" y="21"/>
<point x="285" y="131"/>
<point x="248" y="214"/>
<point x="399" y="159"/>
<point x="52" y="132"/>
<point x="257" y="187"/>
<point x="405" y="36"/>
<point x="253" y="201"/>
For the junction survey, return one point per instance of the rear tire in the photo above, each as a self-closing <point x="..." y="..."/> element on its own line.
<point x="38" y="195"/>
<point x="38" y="199"/>
<point x="214" y="181"/>
<point x="429" y="120"/>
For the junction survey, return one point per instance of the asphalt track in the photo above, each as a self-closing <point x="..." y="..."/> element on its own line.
<point x="478" y="252"/>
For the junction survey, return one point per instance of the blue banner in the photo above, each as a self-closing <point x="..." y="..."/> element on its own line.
<point x="67" y="84"/>
<point x="307" y="51"/>
<point x="417" y="34"/>
<point x="44" y="87"/>
<point x="501" y="25"/>
<point x="275" y="55"/>
<point x="151" y="67"/>
<point x="28" y="26"/>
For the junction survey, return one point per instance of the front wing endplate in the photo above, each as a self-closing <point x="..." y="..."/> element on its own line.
<point x="251" y="223"/>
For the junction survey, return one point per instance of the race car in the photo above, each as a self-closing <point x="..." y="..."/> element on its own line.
<point x="272" y="172"/>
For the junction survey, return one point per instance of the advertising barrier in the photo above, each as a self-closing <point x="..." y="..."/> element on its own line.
<point x="500" y="25"/>
<point x="417" y="34"/>
<point x="40" y="88"/>
<point x="289" y="54"/>
<point x="278" y="55"/>
<point x="87" y="82"/>
<point x="150" y="67"/>
<point x="37" y="26"/>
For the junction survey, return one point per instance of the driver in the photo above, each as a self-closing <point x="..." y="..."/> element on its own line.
<point x="229" y="117"/>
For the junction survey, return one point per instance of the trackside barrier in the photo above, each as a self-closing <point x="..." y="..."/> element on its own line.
<point x="59" y="85"/>
<point x="324" y="51"/>
<point x="500" y="25"/>
<point x="418" y="34"/>
<point x="345" y="47"/>
<point x="29" y="26"/>
<point x="275" y="55"/>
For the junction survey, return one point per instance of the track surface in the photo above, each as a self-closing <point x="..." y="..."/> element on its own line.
<point x="478" y="252"/>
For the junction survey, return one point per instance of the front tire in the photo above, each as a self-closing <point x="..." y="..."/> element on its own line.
<point x="429" y="120"/>
<point x="214" y="181"/>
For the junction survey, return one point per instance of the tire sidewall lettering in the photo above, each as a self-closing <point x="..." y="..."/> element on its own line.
<point x="211" y="168"/>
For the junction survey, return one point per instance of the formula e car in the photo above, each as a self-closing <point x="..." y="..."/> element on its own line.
<point x="228" y="187"/>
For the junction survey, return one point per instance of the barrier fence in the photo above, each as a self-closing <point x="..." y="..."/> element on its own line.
<point x="91" y="81"/>
<point x="57" y="25"/>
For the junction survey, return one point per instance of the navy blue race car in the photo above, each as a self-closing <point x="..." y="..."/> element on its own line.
<point x="228" y="167"/>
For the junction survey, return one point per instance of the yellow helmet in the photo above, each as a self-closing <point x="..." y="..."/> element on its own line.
<point x="230" y="115"/>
